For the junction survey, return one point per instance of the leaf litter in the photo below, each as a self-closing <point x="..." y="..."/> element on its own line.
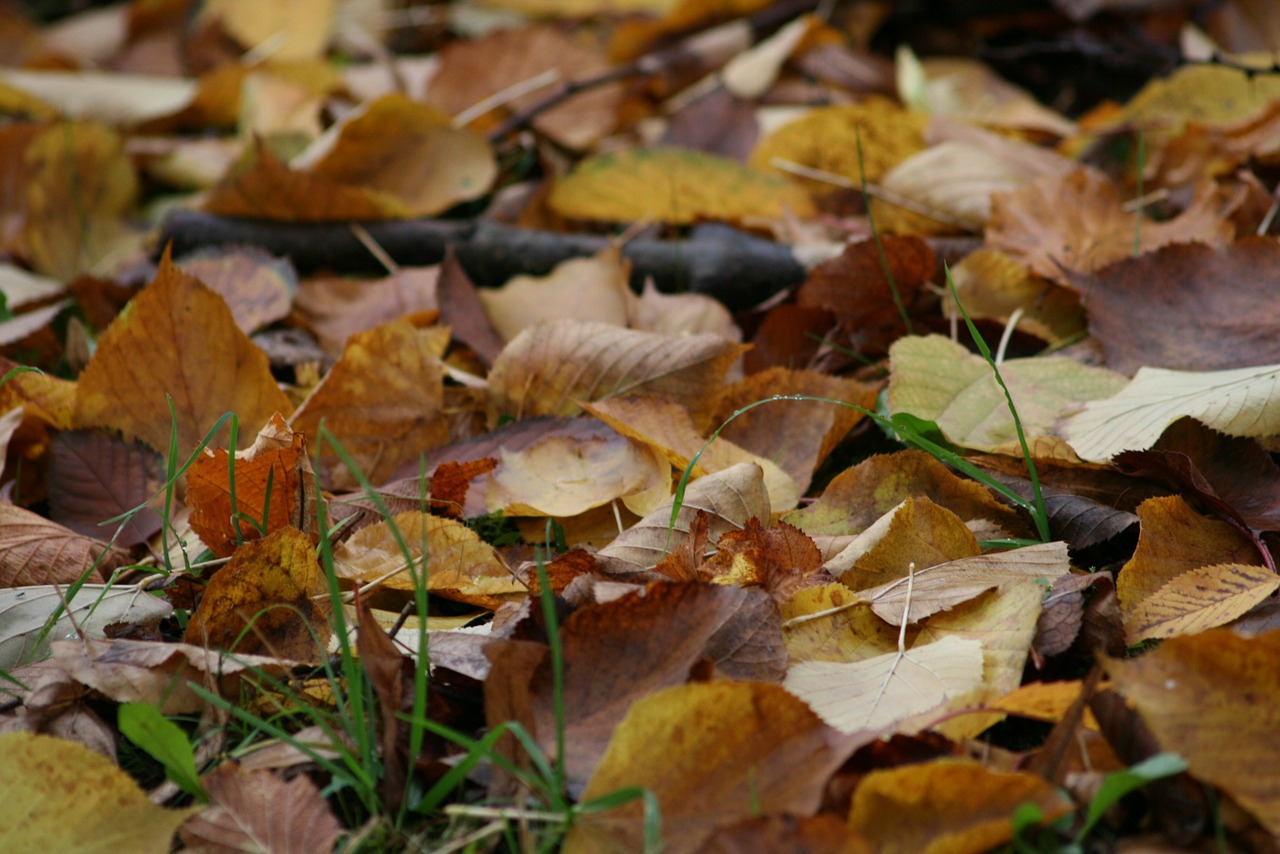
<point x="577" y="561"/>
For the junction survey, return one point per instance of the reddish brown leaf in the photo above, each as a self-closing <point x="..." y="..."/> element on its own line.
<point x="34" y="550"/>
<point x="257" y="810"/>
<point x="94" y="477"/>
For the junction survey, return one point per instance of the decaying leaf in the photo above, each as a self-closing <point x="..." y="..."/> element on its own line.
<point x="259" y="809"/>
<point x="265" y="600"/>
<point x="34" y="550"/>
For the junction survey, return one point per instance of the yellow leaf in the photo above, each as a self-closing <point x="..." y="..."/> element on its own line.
<point x="1214" y="699"/>
<point x="675" y="186"/>
<point x="57" y="795"/>
<point x="288" y="31"/>
<point x="1202" y="598"/>
<point x="946" y="806"/>
<point x="711" y="754"/>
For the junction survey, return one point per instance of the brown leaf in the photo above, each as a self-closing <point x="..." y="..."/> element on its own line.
<point x="1077" y="223"/>
<point x="546" y="369"/>
<point x="619" y="652"/>
<point x="257" y="287"/>
<point x="855" y="289"/>
<point x="176" y="340"/>
<point x="382" y="401"/>
<point x="257" y="810"/>
<point x="823" y="833"/>
<point x="1212" y="699"/>
<point x="1203" y="308"/>
<point x="797" y="435"/>
<point x="781" y="559"/>
<point x="391" y="674"/>
<point x="859" y="496"/>
<point x="94" y="477"/>
<point x="712" y="754"/>
<point x="396" y="148"/>
<point x="729" y="498"/>
<point x="336" y="308"/>
<point x="460" y="307"/>
<point x="264" y="600"/>
<point x="34" y="550"/>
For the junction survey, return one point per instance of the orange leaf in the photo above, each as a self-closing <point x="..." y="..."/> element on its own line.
<point x="278" y="460"/>
<point x="175" y="340"/>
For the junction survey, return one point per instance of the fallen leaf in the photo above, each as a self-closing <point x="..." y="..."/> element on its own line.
<point x="797" y="435"/>
<point x="1239" y="402"/>
<point x="711" y="754"/>
<point x="563" y="476"/>
<point x="947" y="806"/>
<point x="831" y="623"/>
<point x="261" y="811"/>
<point x="1078" y="224"/>
<point x="264" y="600"/>
<point x="24" y="611"/>
<point x="676" y="186"/>
<point x="667" y="428"/>
<point x="915" y="535"/>
<point x="257" y="287"/>
<point x="481" y="68"/>
<point x="546" y="369"/>
<point x="890" y="690"/>
<point x="1173" y="541"/>
<point x="729" y="498"/>
<point x="176" y="340"/>
<point x="780" y="558"/>
<point x="593" y="289"/>
<point x="299" y="31"/>
<point x="459" y="565"/>
<point x="1210" y="698"/>
<point x="61" y="796"/>
<point x="945" y="585"/>
<point x="1199" y="599"/>
<point x="335" y="308"/>
<point x="94" y="477"/>
<point x="81" y="185"/>
<point x="382" y="401"/>
<point x="35" y="551"/>
<point x="858" y="496"/>
<point x="399" y="149"/>
<point x="994" y="285"/>
<point x="273" y="488"/>
<point x="938" y="380"/>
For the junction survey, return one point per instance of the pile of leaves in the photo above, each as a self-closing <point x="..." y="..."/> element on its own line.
<point x="926" y="505"/>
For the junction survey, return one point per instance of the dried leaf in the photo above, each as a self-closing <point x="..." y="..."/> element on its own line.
<point x="729" y="498"/>
<point x="948" y="805"/>
<point x="24" y="611"/>
<point x="891" y="689"/>
<point x="257" y="287"/>
<point x="1212" y="699"/>
<point x="35" y="551"/>
<point x="459" y="565"/>
<point x="676" y="186"/>
<point x="1199" y="599"/>
<point x="382" y="401"/>
<point x="593" y="289"/>
<point x="1240" y="402"/>
<point x="59" y="796"/>
<point x="274" y="489"/>
<point x="177" y="340"/>
<point x="94" y="477"/>
<point x="258" y="810"/>
<point x="546" y="369"/>
<point x="711" y="754"/>
<point x="938" y="380"/>
<point x="264" y="600"/>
